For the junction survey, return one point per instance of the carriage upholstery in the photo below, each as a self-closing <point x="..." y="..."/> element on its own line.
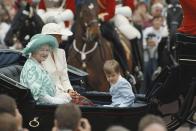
<point x="12" y="71"/>
<point x="10" y="57"/>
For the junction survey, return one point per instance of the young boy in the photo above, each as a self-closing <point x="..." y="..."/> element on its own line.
<point x="120" y="90"/>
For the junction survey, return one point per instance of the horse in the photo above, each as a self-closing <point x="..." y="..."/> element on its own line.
<point x="90" y="50"/>
<point x="25" y="24"/>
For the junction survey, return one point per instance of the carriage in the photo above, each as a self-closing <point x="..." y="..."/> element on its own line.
<point x="99" y="117"/>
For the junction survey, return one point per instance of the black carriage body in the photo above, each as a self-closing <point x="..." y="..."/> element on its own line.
<point x="99" y="117"/>
<point x="177" y="83"/>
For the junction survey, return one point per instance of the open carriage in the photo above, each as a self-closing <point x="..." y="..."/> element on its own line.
<point x="99" y="117"/>
<point x="166" y="94"/>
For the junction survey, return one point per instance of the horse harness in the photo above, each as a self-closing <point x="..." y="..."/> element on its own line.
<point x="83" y="53"/>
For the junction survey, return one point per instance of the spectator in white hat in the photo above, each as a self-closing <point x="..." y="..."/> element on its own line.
<point x="56" y="63"/>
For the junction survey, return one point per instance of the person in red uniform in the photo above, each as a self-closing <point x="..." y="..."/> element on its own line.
<point x="67" y="15"/>
<point x="69" y="4"/>
<point x="129" y="3"/>
<point x="107" y="12"/>
<point x="185" y="47"/>
<point x="188" y="23"/>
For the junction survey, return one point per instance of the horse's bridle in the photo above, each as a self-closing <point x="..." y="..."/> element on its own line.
<point x="87" y="25"/>
<point x="93" y="21"/>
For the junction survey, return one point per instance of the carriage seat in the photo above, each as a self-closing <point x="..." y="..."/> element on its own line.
<point x="105" y="97"/>
<point x="12" y="71"/>
<point x="9" y="81"/>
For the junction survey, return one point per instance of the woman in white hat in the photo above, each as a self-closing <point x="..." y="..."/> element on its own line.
<point x="56" y="63"/>
<point x="35" y="77"/>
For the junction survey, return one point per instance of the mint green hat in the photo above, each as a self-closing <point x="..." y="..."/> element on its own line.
<point x="38" y="40"/>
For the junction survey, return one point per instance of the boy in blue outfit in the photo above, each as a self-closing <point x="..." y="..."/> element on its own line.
<point x="121" y="89"/>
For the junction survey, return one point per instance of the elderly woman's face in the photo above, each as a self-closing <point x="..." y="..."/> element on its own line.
<point x="42" y="53"/>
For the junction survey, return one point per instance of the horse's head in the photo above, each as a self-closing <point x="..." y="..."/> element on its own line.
<point x="88" y="19"/>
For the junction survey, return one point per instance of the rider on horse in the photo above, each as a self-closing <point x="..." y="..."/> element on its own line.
<point x="25" y="24"/>
<point x="123" y="13"/>
<point x="122" y="20"/>
<point x="106" y="14"/>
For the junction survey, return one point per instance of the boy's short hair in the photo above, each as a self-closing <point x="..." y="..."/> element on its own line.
<point x="111" y="66"/>
<point x="7" y="122"/>
<point x="7" y="105"/>
<point x="149" y="120"/>
<point x="67" y="116"/>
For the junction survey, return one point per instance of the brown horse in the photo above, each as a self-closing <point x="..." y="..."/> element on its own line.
<point x="90" y="50"/>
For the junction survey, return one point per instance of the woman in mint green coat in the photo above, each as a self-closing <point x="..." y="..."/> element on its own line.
<point x="35" y="77"/>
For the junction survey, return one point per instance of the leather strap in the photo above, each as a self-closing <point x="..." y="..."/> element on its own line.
<point x="101" y="4"/>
